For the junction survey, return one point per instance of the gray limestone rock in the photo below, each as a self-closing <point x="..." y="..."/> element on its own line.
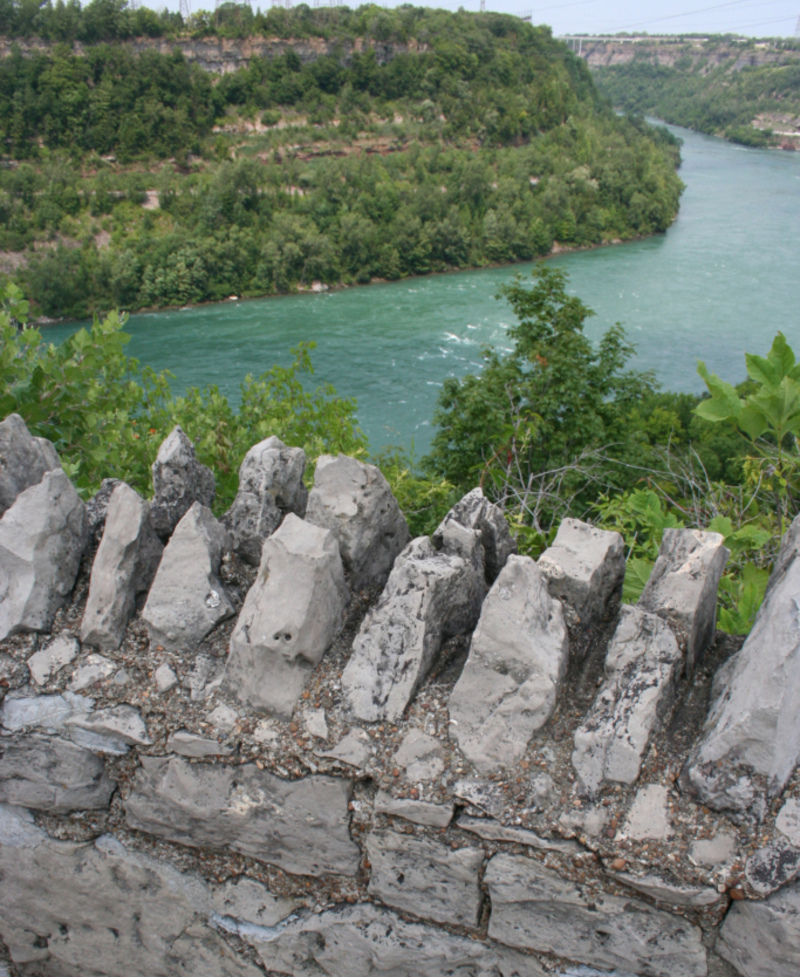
<point x="668" y="890"/>
<point x="648" y="816"/>
<point x="425" y="878"/>
<point x="431" y="595"/>
<point x="516" y="665"/>
<point x="46" y="663"/>
<point x="354" y="749"/>
<point x="751" y="741"/>
<point x="494" y="831"/>
<point x="366" y="941"/>
<point x="485" y="795"/>
<point x="93" y="669"/>
<point x="179" y="480"/>
<point x="24" y="460"/>
<point x="97" y="508"/>
<point x="418" y="812"/>
<point x="301" y="825"/>
<point x="42" y="538"/>
<point x="683" y="587"/>
<point x="355" y="502"/>
<point x="788" y="821"/>
<point x="48" y="773"/>
<point x="270" y="486"/>
<point x="244" y="899"/>
<point x="713" y="852"/>
<point x="100" y="910"/>
<point x="189" y="744"/>
<point x="124" y="567"/>
<point x="420" y="755"/>
<point x="772" y="866"/>
<point x="762" y="939"/>
<point x="187" y="600"/>
<point x="290" y="617"/>
<point x="165" y="677"/>
<point x="643" y="665"/>
<point x="43" y="712"/>
<point x="122" y="722"/>
<point x="584" y="568"/>
<point x="476" y="512"/>
<point x="534" y="908"/>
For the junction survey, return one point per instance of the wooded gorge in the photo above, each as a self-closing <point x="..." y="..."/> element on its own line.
<point x="447" y="141"/>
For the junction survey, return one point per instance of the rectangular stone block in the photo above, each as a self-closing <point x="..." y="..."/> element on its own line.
<point x="300" y="825"/>
<point x="534" y="908"/>
<point x="425" y="878"/>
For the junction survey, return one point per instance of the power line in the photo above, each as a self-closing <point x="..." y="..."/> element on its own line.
<point x="689" y="13"/>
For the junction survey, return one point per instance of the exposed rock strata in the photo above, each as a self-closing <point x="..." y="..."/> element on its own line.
<point x="179" y="480"/>
<point x="476" y="512"/>
<point x="24" y="460"/>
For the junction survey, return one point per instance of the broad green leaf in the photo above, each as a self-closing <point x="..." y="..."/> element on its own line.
<point x="762" y="370"/>
<point x="753" y="421"/>
<point x="781" y="355"/>
<point x="637" y="573"/>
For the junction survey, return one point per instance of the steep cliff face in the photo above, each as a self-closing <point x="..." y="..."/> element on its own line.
<point x="223" y="55"/>
<point x="604" y="54"/>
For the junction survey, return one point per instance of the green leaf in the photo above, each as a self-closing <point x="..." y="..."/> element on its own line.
<point x="762" y="370"/>
<point x="781" y="356"/>
<point x="637" y="573"/>
<point x="724" y="403"/>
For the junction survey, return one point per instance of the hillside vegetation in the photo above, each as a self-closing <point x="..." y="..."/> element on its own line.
<point x="712" y="87"/>
<point x="413" y="141"/>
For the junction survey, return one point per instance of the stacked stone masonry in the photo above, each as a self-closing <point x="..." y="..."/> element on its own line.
<point x="294" y="741"/>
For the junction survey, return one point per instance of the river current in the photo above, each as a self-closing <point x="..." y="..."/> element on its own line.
<point x="722" y="280"/>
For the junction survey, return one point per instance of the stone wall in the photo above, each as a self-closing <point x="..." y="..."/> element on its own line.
<point x="293" y="741"/>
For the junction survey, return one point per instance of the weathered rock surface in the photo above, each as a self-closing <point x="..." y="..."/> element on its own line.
<point x="420" y="755"/>
<point x="270" y="486"/>
<point x="42" y="538"/>
<point x="648" y="816"/>
<point x="93" y="669"/>
<point x="290" y="617"/>
<point x="669" y="891"/>
<point x="425" y="878"/>
<point x="683" y="587"/>
<point x="48" y="773"/>
<point x="751" y="742"/>
<point x="772" y="866"/>
<point x="301" y="826"/>
<point x="476" y="512"/>
<point x="366" y="941"/>
<point x="189" y="744"/>
<point x="419" y="812"/>
<point x="124" y="567"/>
<point x="43" y="712"/>
<point x="354" y="749"/>
<point x="430" y="595"/>
<point x="788" y="821"/>
<point x="534" y="908"/>
<point x="97" y="508"/>
<point x="48" y="661"/>
<point x="584" y="568"/>
<point x="24" y="460"/>
<point x="187" y="600"/>
<point x="643" y="665"/>
<point x="516" y="665"/>
<point x="122" y="722"/>
<point x="244" y="899"/>
<point x="179" y="480"/>
<point x="61" y="911"/>
<point x="762" y="939"/>
<point x="494" y="831"/>
<point x="355" y="502"/>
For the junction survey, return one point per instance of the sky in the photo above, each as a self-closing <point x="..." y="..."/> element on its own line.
<point x="756" y="18"/>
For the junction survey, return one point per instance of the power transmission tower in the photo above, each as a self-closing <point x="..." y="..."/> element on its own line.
<point x="133" y="5"/>
<point x="483" y="6"/>
<point x="797" y="29"/>
<point x="186" y="9"/>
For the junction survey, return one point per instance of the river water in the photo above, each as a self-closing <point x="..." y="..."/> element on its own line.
<point x="724" y="279"/>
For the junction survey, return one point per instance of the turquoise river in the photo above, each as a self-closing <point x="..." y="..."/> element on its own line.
<point x="724" y="279"/>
